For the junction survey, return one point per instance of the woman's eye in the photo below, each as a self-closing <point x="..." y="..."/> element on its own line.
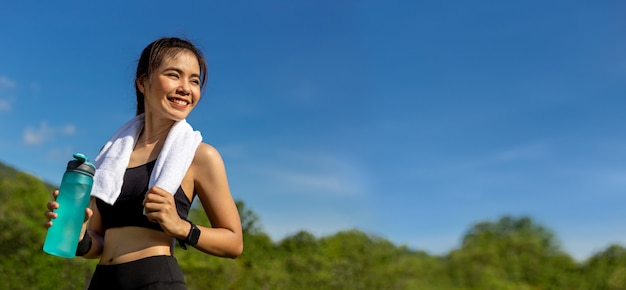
<point x="196" y="82"/>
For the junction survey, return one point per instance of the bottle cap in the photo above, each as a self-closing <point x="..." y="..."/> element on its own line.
<point x="80" y="163"/>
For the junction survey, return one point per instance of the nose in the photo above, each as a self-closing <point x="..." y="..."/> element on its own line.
<point x="184" y="89"/>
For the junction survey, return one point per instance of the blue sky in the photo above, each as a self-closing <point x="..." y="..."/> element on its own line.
<point x="410" y="120"/>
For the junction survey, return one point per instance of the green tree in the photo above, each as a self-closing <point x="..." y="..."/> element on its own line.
<point x="606" y="269"/>
<point x="512" y="253"/>
<point x="24" y="265"/>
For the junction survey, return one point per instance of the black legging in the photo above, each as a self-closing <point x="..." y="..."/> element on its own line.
<point x="152" y="273"/>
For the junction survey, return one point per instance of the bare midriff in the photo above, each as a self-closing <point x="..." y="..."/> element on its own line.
<point x="127" y="244"/>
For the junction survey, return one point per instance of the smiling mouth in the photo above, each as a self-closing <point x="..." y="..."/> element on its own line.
<point x="177" y="101"/>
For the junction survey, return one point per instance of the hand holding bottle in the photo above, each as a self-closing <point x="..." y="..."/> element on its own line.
<point x="51" y="215"/>
<point x="69" y="208"/>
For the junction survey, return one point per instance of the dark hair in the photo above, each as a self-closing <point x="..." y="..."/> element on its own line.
<point x="153" y="55"/>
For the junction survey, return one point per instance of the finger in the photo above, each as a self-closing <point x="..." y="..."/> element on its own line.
<point x="88" y="214"/>
<point x="50" y="215"/>
<point x="152" y="207"/>
<point x="55" y="194"/>
<point x="156" y="210"/>
<point x="151" y="199"/>
<point x="159" y="191"/>
<point x="152" y="219"/>
<point x="160" y="198"/>
<point x="154" y="215"/>
<point x="52" y="205"/>
<point x="47" y="224"/>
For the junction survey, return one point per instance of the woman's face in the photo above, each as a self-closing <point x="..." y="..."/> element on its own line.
<point x="173" y="89"/>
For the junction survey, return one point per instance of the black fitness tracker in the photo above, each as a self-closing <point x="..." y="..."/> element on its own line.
<point x="193" y="236"/>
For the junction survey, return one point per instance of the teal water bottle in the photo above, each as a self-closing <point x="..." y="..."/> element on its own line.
<point x="73" y="199"/>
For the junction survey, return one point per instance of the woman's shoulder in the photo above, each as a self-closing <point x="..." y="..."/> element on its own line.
<point x="207" y="166"/>
<point x="206" y="154"/>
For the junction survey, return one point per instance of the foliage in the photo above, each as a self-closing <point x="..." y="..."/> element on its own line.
<point x="607" y="269"/>
<point x="24" y="265"/>
<point x="510" y="253"/>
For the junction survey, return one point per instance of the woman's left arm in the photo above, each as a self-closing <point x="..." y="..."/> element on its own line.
<point x="225" y="237"/>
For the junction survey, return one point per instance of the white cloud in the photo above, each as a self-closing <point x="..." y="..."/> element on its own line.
<point x="36" y="136"/>
<point x="69" y="129"/>
<point x="7" y="83"/>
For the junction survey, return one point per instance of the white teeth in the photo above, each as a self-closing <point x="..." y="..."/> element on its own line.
<point x="179" y="101"/>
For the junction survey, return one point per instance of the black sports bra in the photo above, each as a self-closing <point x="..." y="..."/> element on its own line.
<point x="128" y="208"/>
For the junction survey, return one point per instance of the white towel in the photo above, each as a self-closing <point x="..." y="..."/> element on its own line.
<point x="171" y="164"/>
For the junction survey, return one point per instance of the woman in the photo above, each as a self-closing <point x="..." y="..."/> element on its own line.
<point x="134" y="236"/>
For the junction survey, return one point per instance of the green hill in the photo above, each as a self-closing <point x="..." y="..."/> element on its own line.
<point x="24" y="265"/>
<point x="510" y="253"/>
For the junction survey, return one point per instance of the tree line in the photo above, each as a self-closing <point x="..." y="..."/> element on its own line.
<point x="508" y="253"/>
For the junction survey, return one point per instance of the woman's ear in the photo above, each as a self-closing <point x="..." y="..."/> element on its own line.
<point x="140" y="84"/>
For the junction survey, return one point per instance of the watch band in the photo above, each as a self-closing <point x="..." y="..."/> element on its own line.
<point x="194" y="234"/>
